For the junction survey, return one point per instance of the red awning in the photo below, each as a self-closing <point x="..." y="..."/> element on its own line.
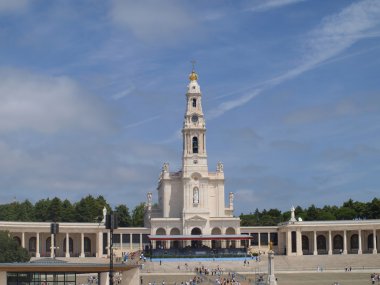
<point x="198" y="237"/>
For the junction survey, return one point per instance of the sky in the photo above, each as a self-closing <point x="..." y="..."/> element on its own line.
<point x="92" y="98"/>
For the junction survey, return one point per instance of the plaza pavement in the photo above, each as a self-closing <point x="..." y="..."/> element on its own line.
<point x="311" y="270"/>
<point x="289" y="270"/>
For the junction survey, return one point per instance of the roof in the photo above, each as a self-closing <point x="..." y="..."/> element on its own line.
<point x="64" y="267"/>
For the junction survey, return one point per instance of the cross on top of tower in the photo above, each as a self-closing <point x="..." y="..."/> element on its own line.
<point x="193" y="62"/>
<point x="193" y="75"/>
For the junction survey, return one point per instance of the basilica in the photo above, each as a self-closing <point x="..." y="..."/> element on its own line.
<point x="191" y="216"/>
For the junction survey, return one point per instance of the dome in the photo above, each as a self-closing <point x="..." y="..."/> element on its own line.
<point x="193" y="76"/>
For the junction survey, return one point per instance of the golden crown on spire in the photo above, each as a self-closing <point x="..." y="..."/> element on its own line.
<point x="193" y="76"/>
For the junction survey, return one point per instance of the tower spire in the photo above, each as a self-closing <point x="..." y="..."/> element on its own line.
<point x="193" y="75"/>
<point x="194" y="129"/>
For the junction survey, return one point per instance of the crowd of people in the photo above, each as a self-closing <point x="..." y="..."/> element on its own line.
<point x="375" y="277"/>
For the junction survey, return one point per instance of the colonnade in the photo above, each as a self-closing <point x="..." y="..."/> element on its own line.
<point x="328" y="241"/>
<point x="78" y="244"/>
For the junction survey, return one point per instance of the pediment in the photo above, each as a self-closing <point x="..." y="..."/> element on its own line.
<point x="196" y="218"/>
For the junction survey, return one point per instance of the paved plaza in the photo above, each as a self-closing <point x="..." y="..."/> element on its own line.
<point x="312" y="270"/>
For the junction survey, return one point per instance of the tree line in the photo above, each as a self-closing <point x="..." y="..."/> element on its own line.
<point x="350" y="210"/>
<point x="89" y="209"/>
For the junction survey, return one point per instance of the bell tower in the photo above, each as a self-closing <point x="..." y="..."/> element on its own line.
<point x="194" y="158"/>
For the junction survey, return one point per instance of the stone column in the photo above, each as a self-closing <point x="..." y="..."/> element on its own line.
<point x="99" y="252"/>
<point x="271" y="279"/>
<point x="259" y="240"/>
<point x="315" y="252"/>
<point x="38" y="245"/>
<point x="299" y="242"/>
<point x="288" y="242"/>
<point x="23" y="239"/>
<point x="360" y="251"/>
<point x="131" y="276"/>
<point x="141" y="242"/>
<point x="268" y="239"/>
<point x="344" y="242"/>
<point x="330" y="243"/>
<point x="3" y="277"/>
<point x="374" y="251"/>
<point x="52" y="241"/>
<point x="130" y="242"/>
<point x="82" y="245"/>
<point x="104" y="278"/>
<point x="67" y="254"/>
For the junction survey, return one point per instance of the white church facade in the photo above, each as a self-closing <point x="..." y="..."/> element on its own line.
<point x="191" y="214"/>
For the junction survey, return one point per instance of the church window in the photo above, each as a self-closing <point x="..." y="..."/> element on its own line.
<point x="194" y="102"/>
<point x="195" y="145"/>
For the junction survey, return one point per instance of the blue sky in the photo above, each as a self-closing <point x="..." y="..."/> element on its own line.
<point x="93" y="96"/>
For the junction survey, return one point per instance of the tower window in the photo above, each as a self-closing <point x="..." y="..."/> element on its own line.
<point x="194" y="102"/>
<point x="195" y="145"/>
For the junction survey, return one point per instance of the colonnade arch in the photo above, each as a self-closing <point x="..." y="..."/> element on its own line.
<point x="196" y="243"/>
<point x="175" y="243"/>
<point x="17" y="239"/>
<point x="230" y="243"/>
<point x="305" y="244"/>
<point x="32" y="244"/>
<point x="338" y="244"/>
<point x="216" y="244"/>
<point x="321" y="244"/>
<point x="160" y="244"/>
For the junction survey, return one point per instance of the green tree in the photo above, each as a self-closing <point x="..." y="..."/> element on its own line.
<point x="122" y="212"/>
<point x="68" y="211"/>
<point x="10" y="250"/>
<point x="138" y="215"/>
<point x="374" y="209"/>
<point x="55" y="210"/>
<point x="26" y="212"/>
<point x="89" y="209"/>
<point x="345" y="213"/>
<point x="312" y="213"/>
<point x="41" y="210"/>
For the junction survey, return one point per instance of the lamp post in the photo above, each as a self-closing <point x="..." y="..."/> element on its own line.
<point x="111" y="224"/>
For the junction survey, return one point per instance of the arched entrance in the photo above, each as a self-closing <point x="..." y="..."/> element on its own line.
<point x="338" y="244"/>
<point x="17" y="239"/>
<point x="196" y="243"/>
<point x="230" y="243"/>
<point x="160" y="244"/>
<point x="305" y="245"/>
<point x="354" y="242"/>
<point x="32" y="244"/>
<point x="48" y="246"/>
<point x="175" y="243"/>
<point x="87" y="246"/>
<point x="321" y="244"/>
<point x="216" y="244"/>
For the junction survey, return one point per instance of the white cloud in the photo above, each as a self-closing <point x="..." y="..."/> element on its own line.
<point x="13" y="5"/>
<point x="232" y="104"/>
<point x="46" y="104"/>
<point x="151" y="20"/>
<point x="335" y="34"/>
<point x="272" y="4"/>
